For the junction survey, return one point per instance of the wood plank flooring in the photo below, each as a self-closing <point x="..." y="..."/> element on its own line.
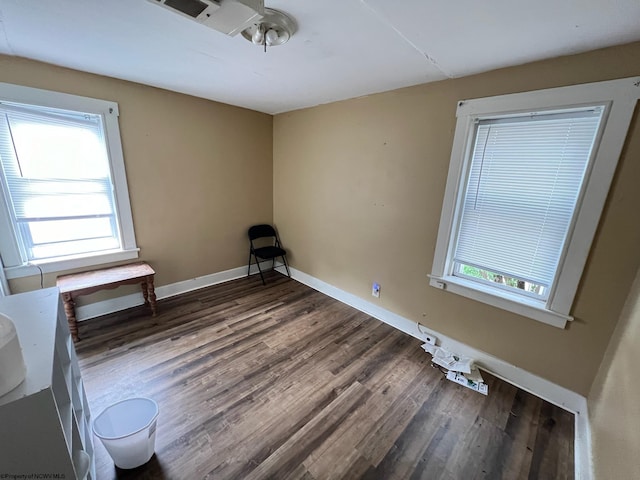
<point x="283" y="382"/>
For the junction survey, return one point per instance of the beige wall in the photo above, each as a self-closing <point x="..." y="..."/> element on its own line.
<point x="199" y="172"/>
<point x="614" y="409"/>
<point x="358" y="189"/>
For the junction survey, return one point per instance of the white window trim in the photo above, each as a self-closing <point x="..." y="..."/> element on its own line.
<point x="620" y="97"/>
<point x="4" y="285"/>
<point x="12" y="259"/>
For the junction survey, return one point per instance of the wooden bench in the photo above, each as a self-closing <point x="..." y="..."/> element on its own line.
<point x="84" y="283"/>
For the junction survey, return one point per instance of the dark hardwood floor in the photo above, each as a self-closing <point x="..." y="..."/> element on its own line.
<point x="283" y="382"/>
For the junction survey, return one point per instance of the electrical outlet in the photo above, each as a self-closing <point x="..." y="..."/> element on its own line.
<point x="375" y="290"/>
<point x="428" y="338"/>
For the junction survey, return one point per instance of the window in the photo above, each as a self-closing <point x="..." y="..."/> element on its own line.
<point x="65" y="202"/>
<point x="523" y="184"/>
<point x="527" y="182"/>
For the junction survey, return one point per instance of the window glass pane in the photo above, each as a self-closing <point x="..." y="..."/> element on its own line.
<point x="502" y="281"/>
<point x="66" y="230"/>
<point x="45" y="149"/>
<point x="74" y="248"/>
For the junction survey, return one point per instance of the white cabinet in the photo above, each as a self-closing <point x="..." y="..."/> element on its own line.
<point x="45" y="421"/>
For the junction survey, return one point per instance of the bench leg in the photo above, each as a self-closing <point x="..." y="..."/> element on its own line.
<point x="151" y="295"/>
<point x="145" y="291"/>
<point x="70" y="311"/>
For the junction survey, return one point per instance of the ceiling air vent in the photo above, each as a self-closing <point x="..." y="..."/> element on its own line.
<point x="226" y="16"/>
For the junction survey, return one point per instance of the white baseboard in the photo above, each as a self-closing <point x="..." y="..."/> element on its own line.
<point x="93" y="310"/>
<point x="549" y="391"/>
<point x="582" y="445"/>
<point x="527" y="381"/>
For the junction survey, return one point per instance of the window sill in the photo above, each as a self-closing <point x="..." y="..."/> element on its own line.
<point x="69" y="263"/>
<point x="527" y="307"/>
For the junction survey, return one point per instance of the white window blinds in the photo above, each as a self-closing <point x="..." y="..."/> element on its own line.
<point x="524" y="181"/>
<point x="57" y="175"/>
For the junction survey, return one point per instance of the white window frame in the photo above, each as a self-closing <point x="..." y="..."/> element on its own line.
<point x="4" y="285"/>
<point x="619" y="98"/>
<point x="15" y="265"/>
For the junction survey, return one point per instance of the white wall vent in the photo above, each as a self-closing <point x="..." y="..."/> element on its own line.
<point x="226" y="16"/>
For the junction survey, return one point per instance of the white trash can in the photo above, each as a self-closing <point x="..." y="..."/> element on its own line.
<point x="127" y="429"/>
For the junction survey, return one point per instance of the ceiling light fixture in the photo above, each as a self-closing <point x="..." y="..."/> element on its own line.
<point x="275" y="28"/>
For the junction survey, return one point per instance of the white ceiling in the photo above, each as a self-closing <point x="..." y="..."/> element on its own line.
<point x="342" y="49"/>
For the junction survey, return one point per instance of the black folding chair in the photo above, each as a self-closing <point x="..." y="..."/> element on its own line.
<point x="270" y="251"/>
